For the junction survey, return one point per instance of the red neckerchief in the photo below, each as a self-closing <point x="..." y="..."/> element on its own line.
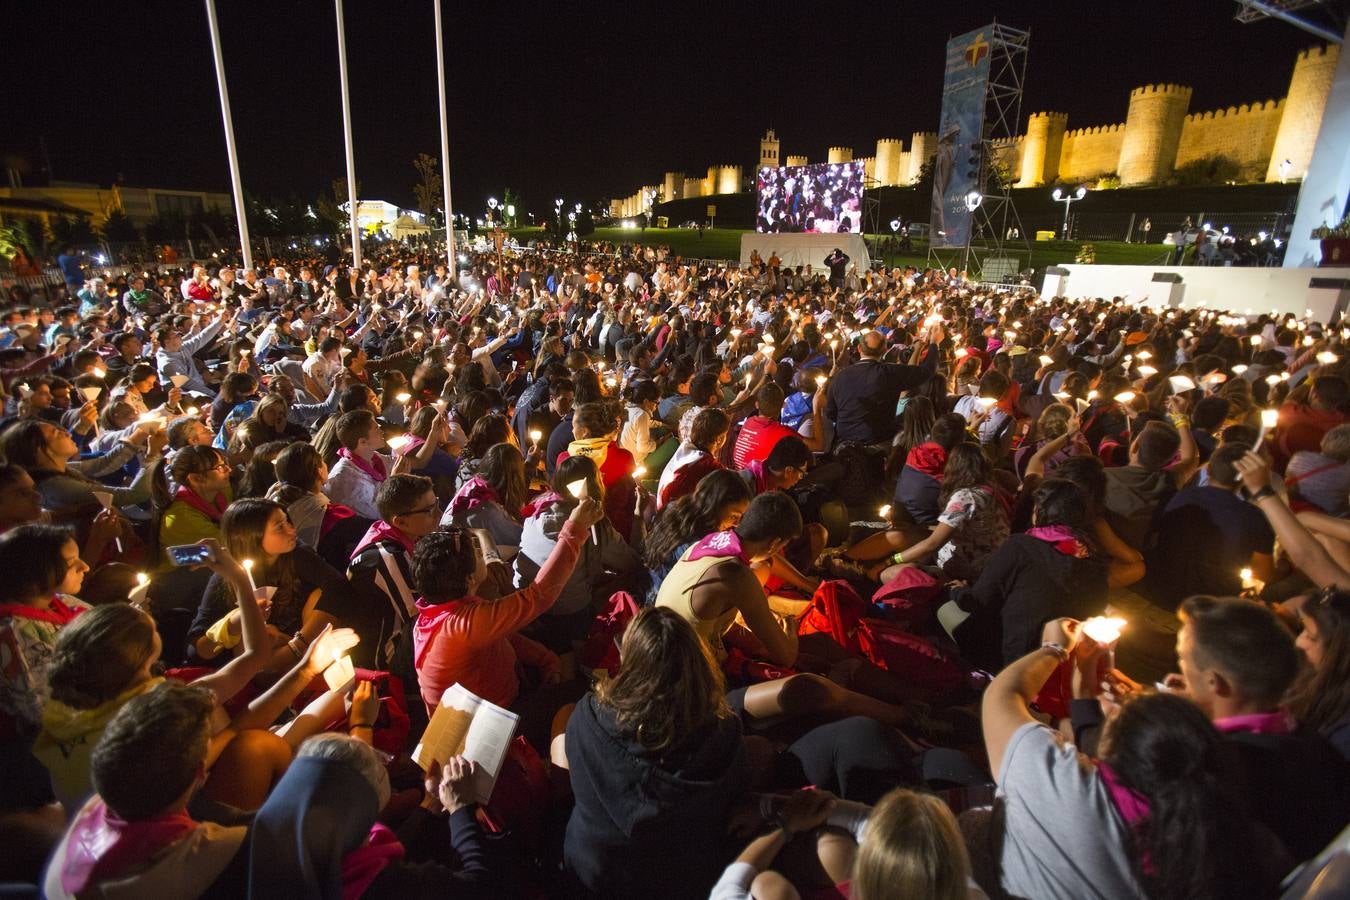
<point x="55" y="614"/>
<point x="539" y="504"/>
<point x="720" y="544"/>
<point x="761" y="475"/>
<point x="374" y="467"/>
<point x="361" y="866"/>
<point x="476" y="492"/>
<point x="101" y="846"/>
<point x="381" y="530"/>
<point x="212" y="511"/>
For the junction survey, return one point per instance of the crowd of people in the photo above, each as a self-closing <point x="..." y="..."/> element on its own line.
<point x="900" y="586"/>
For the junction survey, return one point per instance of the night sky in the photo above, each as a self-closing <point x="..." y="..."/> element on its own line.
<point x="587" y="100"/>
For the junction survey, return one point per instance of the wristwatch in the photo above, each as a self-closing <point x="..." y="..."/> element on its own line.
<point x="1262" y="494"/>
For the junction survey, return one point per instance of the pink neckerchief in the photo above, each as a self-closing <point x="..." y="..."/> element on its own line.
<point x="720" y="544"/>
<point x="101" y="846"/>
<point x="381" y="530"/>
<point x="761" y="475"/>
<point x="374" y="467"/>
<point x="1132" y="806"/>
<point x="213" y="510"/>
<point x="475" y="493"/>
<point x="361" y="867"/>
<point x="1278" y="722"/>
<point x="1061" y="538"/>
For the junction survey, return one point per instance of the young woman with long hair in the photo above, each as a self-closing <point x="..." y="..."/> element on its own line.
<point x="310" y="595"/>
<point x="715" y="505"/>
<point x="1320" y="699"/>
<point x="492" y="498"/>
<point x="663" y="719"/>
<point x="51" y="456"/>
<point x="972" y="524"/>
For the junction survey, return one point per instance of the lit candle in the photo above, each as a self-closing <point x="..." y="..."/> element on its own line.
<point x="398" y="441"/>
<point x="1124" y="397"/>
<point x="1146" y="371"/>
<point x="137" y="594"/>
<point x="340" y="673"/>
<point x="535" y="435"/>
<point x="190" y="411"/>
<point x="1181" y="383"/>
<point x="1046" y="360"/>
<point x="820" y="380"/>
<point x="639" y="472"/>
<point x="1239" y="369"/>
<point x="885" y="512"/>
<point x="1103" y="629"/>
<point x="1256" y="340"/>
<point x="98" y="372"/>
<point x="403" y="396"/>
<point x="248" y="570"/>
<point x="1327" y="358"/>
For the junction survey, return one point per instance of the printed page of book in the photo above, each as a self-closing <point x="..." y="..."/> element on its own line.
<point x="487" y="743"/>
<point x="448" y="728"/>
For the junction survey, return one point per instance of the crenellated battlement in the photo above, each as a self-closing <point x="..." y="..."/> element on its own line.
<point x="1312" y="54"/>
<point x="1051" y="116"/>
<point x="1096" y="129"/>
<point x="1161" y="90"/>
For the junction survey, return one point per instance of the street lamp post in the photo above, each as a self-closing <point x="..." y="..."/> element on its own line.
<point x="1068" y="200"/>
<point x="973" y="201"/>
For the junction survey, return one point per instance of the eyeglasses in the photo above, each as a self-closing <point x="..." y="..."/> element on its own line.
<point x="432" y="508"/>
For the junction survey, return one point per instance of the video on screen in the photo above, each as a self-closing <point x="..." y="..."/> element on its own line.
<point x="825" y="197"/>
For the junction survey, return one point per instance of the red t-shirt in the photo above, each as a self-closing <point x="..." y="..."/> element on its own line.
<point x="757" y="439"/>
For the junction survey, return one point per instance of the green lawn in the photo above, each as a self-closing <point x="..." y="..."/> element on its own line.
<point x="725" y="243"/>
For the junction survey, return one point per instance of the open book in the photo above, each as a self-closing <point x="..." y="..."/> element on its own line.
<point x="469" y="726"/>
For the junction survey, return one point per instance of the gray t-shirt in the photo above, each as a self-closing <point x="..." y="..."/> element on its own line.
<point x="1063" y="837"/>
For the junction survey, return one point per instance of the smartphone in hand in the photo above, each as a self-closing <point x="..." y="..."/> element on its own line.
<point x="189" y="554"/>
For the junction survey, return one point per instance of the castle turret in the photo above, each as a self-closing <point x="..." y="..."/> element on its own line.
<point x="728" y="179"/>
<point x="1042" y="148"/>
<point x="889" y="152"/>
<point x="922" y="146"/>
<point x="840" y="155"/>
<point x="1148" y="151"/>
<point x="798" y="161"/>
<point x="768" y="150"/>
<point x="672" y="187"/>
<point x="1302" y="117"/>
<point x="710" y="182"/>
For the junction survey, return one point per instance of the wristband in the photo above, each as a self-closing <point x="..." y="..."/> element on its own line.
<point x="352" y="725"/>
<point x="899" y="558"/>
<point x="1262" y="494"/>
<point x="1057" y="649"/>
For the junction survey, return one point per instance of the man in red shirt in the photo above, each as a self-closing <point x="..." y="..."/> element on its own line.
<point x="760" y="433"/>
<point x="1303" y="427"/>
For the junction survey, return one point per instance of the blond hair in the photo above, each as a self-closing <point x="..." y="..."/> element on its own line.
<point x="912" y="848"/>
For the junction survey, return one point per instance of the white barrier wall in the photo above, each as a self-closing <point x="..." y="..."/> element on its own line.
<point x="1240" y="289"/>
<point x="803" y="249"/>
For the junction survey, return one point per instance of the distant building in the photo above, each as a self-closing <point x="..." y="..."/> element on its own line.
<point x="381" y="215"/>
<point x="139" y="204"/>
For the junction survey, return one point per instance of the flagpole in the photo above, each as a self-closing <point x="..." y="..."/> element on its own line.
<point x="231" y="152"/>
<point x="450" y="259"/>
<point x="352" y="200"/>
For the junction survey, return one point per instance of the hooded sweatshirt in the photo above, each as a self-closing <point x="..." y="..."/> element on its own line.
<point x="1133" y="497"/>
<point x="920" y="482"/>
<point x="540" y="535"/>
<point x="641" y="817"/>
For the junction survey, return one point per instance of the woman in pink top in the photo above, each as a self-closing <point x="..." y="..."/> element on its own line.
<point x="463" y="638"/>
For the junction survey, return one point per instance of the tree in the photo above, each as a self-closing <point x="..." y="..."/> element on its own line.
<point x="328" y="211"/>
<point x="428" y="190"/>
<point x="1213" y="169"/>
<point x="72" y="230"/>
<point x="25" y="231"/>
<point x="117" y="228"/>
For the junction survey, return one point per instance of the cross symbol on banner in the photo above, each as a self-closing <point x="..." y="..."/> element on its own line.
<point x="978" y="50"/>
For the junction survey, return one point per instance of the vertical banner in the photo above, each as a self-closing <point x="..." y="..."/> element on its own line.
<point x="960" y="132"/>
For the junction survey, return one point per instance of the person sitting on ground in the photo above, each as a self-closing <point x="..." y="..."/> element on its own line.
<point x="909" y="845"/>
<point x="66" y="483"/>
<point x="380" y="570"/>
<point x="973" y="524"/>
<point x="1137" y="491"/>
<point x="493" y="498"/>
<point x="1157" y="815"/>
<point x="717" y="504"/>
<point x="309" y="593"/>
<point x="695" y="458"/>
<point x="663" y="719"/>
<point x="1320" y="697"/>
<point x="606" y="564"/>
<point x="318" y="834"/>
<point x="135" y="836"/>
<point x="762" y="432"/>
<point x="1052" y="570"/>
<point x="201" y="479"/>
<point x="919" y="488"/>
<point x="461" y="638"/>
<point x="1238" y="662"/>
<point x="1321" y="479"/>
<point x="361" y="468"/>
<point x="1302" y="425"/>
<point x="1232" y="533"/>
<point x="596" y="432"/>
<point x="330" y="529"/>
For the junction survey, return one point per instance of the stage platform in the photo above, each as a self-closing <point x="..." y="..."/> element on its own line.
<point x="796" y="249"/>
<point x="1242" y="289"/>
